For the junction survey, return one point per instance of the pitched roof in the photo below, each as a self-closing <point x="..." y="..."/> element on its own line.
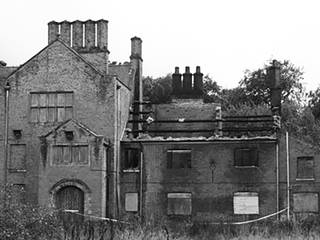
<point x="45" y="48"/>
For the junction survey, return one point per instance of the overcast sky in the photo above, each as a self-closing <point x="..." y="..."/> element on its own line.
<point x="224" y="37"/>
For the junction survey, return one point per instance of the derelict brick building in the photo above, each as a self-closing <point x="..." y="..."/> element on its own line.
<point x="76" y="134"/>
<point x="61" y="114"/>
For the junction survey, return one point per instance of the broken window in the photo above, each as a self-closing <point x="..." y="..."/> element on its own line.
<point x="131" y="202"/>
<point x="305" y="168"/>
<point x="51" y="106"/>
<point x="179" y="204"/>
<point x="67" y="155"/>
<point x="305" y="202"/>
<point x="246" y="157"/>
<point x="246" y="203"/>
<point x="131" y="158"/>
<point x="17" y="157"/>
<point x="178" y="159"/>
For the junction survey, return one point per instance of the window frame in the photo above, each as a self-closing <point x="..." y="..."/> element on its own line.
<point x="246" y="194"/>
<point x="124" y="166"/>
<point x="17" y="170"/>
<point x="125" y="202"/>
<point x="299" y="178"/>
<point x="187" y="165"/>
<point x="72" y="163"/>
<point x="293" y="203"/>
<point x="176" y="194"/>
<point x="48" y="106"/>
<point x="246" y="149"/>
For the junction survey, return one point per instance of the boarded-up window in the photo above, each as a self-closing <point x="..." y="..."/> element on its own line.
<point x="51" y="107"/>
<point x="131" y="202"/>
<point x="305" y="202"/>
<point x="70" y="155"/>
<point x="305" y="168"/>
<point x="178" y="159"/>
<point x="179" y="204"/>
<point x="246" y="157"/>
<point x="131" y="158"/>
<point x="17" y="157"/>
<point x="17" y="195"/>
<point x="246" y="203"/>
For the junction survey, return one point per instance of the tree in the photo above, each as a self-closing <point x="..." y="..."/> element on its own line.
<point x="257" y="90"/>
<point x="157" y="90"/>
<point x="314" y="102"/>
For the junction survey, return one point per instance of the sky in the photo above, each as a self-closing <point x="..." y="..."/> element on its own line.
<point x="223" y="37"/>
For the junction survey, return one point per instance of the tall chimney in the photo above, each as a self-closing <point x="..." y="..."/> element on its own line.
<point x="198" y="82"/>
<point x="176" y="82"/>
<point x="66" y="32"/>
<point x="187" y="82"/>
<point x="136" y="61"/>
<point x="90" y="34"/>
<point x="53" y="31"/>
<point x="102" y="35"/>
<point x="273" y="78"/>
<point x="77" y="34"/>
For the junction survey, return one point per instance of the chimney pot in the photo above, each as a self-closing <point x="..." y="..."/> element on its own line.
<point x="176" y="82"/>
<point x="187" y="82"/>
<point x="198" y="82"/>
<point x="90" y="34"/>
<point x="66" y="32"/>
<point x="187" y="69"/>
<point x="53" y="30"/>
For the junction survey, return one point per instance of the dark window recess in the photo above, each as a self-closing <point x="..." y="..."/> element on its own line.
<point x="305" y="167"/>
<point x="51" y="107"/>
<point x="246" y="157"/>
<point x="131" y="160"/>
<point x="179" y="159"/>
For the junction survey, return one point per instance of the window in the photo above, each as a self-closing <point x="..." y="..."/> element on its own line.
<point x="246" y="157"/>
<point x="70" y="155"/>
<point x="131" y="202"/>
<point x="131" y="158"/>
<point x="17" y="157"/>
<point x="305" y="168"/>
<point x="179" y="204"/>
<point x="17" y="194"/>
<point x="246" y="203"/>
<point x="178" y="159"/>
<point x="305" y="202"/>
<point x="51" y="106"/>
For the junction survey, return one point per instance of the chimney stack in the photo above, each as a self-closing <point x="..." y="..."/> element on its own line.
<point x="87" y="37"/>
<point x="176" y="82"/>
<point x="102" y="34"/>
<point x="187" y="82"/>
<point x="198" y="82"/>
<point x="273" y="78"/>
<point x="53" y="31"/>
<point x="77" y="34"/>
<point x="90" y="34"/>
<point x="65" y="32"/>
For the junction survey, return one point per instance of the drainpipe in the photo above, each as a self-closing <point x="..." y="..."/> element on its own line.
<point x="6" y="136"/>
<point x="288" y="176"/>
<point x="141" y="183"/>
<point x="277" y="166"/>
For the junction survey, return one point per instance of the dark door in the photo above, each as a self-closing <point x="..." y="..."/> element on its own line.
<point x="70" y="198"/>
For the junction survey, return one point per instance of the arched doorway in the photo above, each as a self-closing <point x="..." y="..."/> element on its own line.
<point x="70" y="198"/>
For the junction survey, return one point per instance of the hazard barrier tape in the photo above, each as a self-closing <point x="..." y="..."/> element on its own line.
<point x="210" y="223"/>
<point x="92" y="216"/>
<point x="249" y="221"/>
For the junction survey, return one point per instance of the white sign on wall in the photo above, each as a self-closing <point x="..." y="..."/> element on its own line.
<point x="246" y="203"/>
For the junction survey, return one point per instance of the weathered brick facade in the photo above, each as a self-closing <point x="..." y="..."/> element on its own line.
<point x="77" y="135"/>
<point x="66" y="89"/>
